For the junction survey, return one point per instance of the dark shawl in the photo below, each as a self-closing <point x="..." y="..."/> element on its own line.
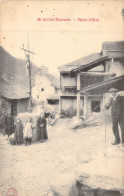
<point x="42" y="131"/>
<point x="117" y="108"/>
<point x="18" y="132"/>
<point x="9" y="125"/>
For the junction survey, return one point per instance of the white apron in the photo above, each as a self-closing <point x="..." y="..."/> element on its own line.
<point x="28" y="130"/>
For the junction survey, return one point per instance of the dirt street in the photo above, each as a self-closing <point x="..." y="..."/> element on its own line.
<point x="32" y="169"/>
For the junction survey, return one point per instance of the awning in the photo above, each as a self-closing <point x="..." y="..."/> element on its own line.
<point x="105" y="86"/>
<point x="52" y="97"/>
<point x="90" y="65"/>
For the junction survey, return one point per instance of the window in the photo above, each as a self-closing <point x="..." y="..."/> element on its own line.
<point x="53" y="102"/>
<point x="42" y="89"/>
<point x="95" y="106"/>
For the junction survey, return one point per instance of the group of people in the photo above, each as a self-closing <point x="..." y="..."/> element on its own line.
<point x="23" y="133"/>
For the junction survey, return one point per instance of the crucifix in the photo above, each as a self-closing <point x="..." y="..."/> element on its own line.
<point x="28" y="66"/>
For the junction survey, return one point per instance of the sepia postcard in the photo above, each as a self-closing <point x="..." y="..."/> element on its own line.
<point x="62" y="98"/>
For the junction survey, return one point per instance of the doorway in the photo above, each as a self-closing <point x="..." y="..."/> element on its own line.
<point x="14" y="109"/>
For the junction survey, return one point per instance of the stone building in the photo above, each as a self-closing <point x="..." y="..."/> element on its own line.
<point x="14" y="85"/>
<point x="46" y="87"/>
<point x="79" y="80"/>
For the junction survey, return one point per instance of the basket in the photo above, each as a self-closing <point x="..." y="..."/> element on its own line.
<point x="12" y="141"/>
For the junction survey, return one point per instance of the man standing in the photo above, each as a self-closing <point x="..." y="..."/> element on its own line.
<point x="117" y="113"/>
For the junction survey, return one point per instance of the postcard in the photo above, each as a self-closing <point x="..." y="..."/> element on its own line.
<point x="62" y="98"/>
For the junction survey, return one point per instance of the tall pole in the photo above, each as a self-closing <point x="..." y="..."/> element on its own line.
<point x="29" y="71"/>
<point x="29" y="74"/>
<point x="29" y="62"/>
<point x="30" y="81"/>
<point x="28" y="66"/>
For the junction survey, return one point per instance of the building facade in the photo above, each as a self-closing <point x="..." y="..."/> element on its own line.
<point x="80" y="75"/>
<point x="13" y="106"/>
<point x="12" y="100"/>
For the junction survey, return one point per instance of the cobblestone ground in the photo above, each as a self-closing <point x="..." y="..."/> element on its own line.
<point x="31" y="169"/>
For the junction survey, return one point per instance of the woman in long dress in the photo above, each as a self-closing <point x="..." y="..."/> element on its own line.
<point x="9" y="124"/>
<point x="18" y="132"/>
<point x="41" y="128"/>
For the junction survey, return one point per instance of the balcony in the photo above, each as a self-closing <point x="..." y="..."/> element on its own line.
<point x="68" y="91"/>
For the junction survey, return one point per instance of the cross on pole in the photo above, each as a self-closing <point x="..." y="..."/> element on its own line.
<point x="28" y="66"/>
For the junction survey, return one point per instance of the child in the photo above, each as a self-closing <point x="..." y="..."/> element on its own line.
<point x="18" y="132"/>
<point x="28" y="132"/>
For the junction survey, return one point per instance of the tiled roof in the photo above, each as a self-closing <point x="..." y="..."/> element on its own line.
<point x="81" y="62"/>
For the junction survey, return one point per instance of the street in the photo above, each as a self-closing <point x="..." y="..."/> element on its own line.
<point x="31" y="170"/>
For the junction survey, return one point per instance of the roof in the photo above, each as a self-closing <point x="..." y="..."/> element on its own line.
<point x="14" y="80"/>
<point x="13" y="70"/>
<point x="13" y="92"/>
<point x="82" y="62"/>
<point x="105" y="86"/>
<point x="110" y="49"/>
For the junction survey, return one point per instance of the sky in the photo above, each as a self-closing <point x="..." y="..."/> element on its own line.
<point x="58" y="42"/>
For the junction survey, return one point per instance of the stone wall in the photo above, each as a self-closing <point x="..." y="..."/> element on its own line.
<point x="116" y="66"/>
<point x="5" y="106"/>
